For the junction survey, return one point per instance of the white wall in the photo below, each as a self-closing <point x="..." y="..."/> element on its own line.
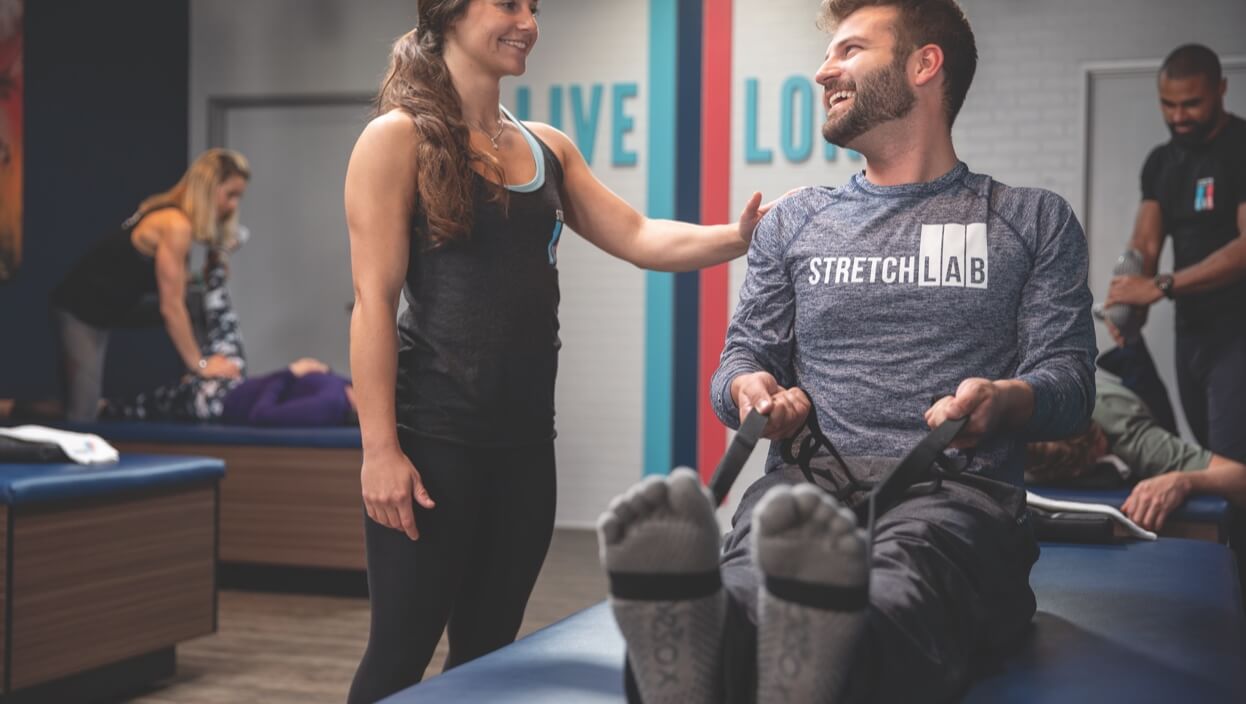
<point x="1022" y="122"/>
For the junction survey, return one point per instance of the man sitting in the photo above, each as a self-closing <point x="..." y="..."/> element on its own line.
<point x="917" y="280"/>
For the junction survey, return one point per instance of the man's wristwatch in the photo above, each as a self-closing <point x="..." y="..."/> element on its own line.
<point x="203" y="363"/>
<point x="1164" y="283"/>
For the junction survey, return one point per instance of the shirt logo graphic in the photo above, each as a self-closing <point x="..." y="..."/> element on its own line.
<point x="953" y="255"/>
<point x="552" y="248"/>
<point x="1204" y="194"/>
<point x="950" y="255"/>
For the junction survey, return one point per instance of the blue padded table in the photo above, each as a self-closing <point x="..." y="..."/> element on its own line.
<point x="109" y="567"/>
<point x="291" y="498"/>
<point x="219" y="434"/>
<point x="1201" y="516"/>
<point x="22" y="484"/>
<point x="1144" y="621"/>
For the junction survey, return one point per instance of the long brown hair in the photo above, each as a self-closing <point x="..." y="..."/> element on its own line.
<point x="418" y="83"/>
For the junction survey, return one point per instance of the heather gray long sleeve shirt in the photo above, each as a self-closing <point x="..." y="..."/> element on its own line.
<point x="878" y="299"/>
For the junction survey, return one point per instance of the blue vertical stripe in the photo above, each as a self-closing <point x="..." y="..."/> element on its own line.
<point x="687" y="208"/>
<point x="523" y="103"/>
<point x="660" y="198"/>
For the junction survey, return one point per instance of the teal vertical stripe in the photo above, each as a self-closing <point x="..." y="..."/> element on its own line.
<point x="797" y="140"/>
<point x="753" y="153"/>
<point x="523" y="103"/>
<point x="660" y="287"/>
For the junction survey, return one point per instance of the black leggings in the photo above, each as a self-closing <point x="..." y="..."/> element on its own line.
<point x="473" y="568"/>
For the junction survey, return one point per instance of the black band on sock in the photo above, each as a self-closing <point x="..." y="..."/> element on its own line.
<point x="827" y="597"/>
<point x="642" y="586"/>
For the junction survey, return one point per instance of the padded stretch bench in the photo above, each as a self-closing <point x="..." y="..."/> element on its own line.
<point x="105" y="568"/>
<point x="291" y="496"/>
<point x="1201" y="517"/>
<point x="1140" y="622"/>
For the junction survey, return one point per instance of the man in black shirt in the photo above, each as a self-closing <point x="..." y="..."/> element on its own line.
<point x="1194" y="190"/>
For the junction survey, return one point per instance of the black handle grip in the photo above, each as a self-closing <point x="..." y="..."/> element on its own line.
<point x="737" y="454"/>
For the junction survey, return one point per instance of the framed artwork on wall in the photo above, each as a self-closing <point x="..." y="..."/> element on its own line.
<point x="10" y="137"/>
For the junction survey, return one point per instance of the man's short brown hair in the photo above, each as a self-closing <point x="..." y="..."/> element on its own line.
<point x="922" y="22"/>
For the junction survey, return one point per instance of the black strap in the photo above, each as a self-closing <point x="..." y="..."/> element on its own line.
<point x="916" y="464"/>
<point x="827" y="597"/>
<point x="808" y="449"/>
<point x="737" y="454"/>
<point x="911" y="470"/>
<point x="914" y="468"/>
<point x="664" y="586"/>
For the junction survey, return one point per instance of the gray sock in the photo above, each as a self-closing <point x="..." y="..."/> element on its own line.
<point x="1127" y="319"/>
<point x="659" y="543"/>
<point x="812" y="607"/>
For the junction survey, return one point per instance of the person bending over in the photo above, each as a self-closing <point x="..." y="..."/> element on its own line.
<point x="916" y="280"/>
<point x="106" y="287"/>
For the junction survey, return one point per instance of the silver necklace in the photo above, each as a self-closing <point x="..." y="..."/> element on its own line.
<point x="493" y="139"/>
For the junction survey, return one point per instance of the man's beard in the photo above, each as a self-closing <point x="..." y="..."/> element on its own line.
<point x="881" y="97"/>
<point x="1196" y="136"/>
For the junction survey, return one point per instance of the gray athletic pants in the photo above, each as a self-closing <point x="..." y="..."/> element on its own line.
<point x="83" y="347"/>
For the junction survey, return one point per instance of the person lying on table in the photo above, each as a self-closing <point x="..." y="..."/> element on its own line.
<point x="1126" y="445"/>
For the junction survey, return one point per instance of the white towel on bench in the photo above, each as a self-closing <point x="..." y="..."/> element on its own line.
<point x="83" y="448"/>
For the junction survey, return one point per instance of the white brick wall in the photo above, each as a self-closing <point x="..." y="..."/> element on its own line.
<point x="1022" y="121"/>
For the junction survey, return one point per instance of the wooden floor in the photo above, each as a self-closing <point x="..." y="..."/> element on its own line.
<point x="288" y="649"/>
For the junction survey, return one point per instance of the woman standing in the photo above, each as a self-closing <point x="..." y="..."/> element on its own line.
<point x="451" y="197"/>
<point x="148" y="255"/>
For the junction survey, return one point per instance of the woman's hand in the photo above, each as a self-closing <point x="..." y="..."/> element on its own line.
<point x="219" y="366"/>
<point x="754" y="211"/>
<point x="390" y="482"/>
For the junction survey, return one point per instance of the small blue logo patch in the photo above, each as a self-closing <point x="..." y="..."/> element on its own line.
<point x="1205" y="195"/>
<point x="553" y="240"/>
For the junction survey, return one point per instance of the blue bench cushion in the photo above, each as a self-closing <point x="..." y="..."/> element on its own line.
<point x="1147" y="621"/>
<point x="38" y="483"/>
<point x="1196" y="509"/>
<point x="214" y="434"/>
<point x="1144" y="621"/>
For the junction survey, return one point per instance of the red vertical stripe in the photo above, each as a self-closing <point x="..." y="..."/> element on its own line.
<point x="715" y="204"/>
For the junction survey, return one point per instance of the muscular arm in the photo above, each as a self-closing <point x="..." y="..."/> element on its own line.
<point x="1148" y="235"/>
<point x="1221" y="268"/>
<point x="379" y="194"/>
<point x="171" y="254"/>
<point x="611" y="224"/>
